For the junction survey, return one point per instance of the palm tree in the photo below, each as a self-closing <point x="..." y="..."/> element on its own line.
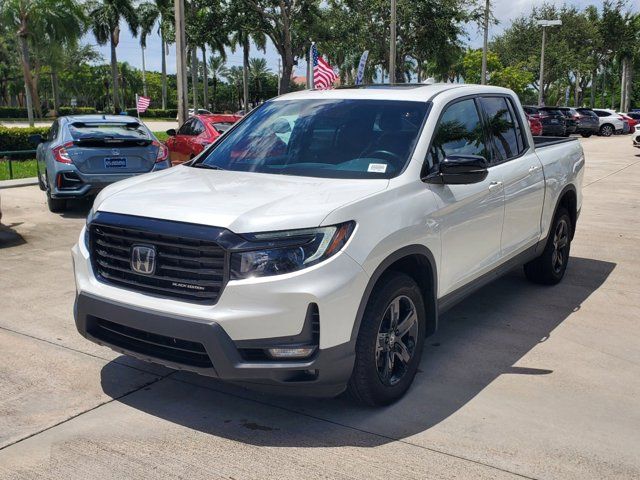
<point x="218" y="70"/>
<point x="235" y="76"/>
<point x="148" y="14"/>
<point x="259" y="72"/>
<point x="44" y="22"/>
<point x="104" y="17"/>
<point x="245" y="23"/>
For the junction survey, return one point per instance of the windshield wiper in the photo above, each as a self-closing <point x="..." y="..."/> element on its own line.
<point x="205" y="165"/>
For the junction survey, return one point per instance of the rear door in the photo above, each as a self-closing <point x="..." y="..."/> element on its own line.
<point x="470" y="216"/>
<point x="111" y="147"/>
<point x="521" y="173"/>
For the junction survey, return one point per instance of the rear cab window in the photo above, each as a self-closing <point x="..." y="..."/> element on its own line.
<point x="91" y="132"/>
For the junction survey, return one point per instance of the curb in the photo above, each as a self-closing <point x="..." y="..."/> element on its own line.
<point x="18" y="182"/>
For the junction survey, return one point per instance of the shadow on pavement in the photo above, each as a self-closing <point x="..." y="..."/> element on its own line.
<point x="9" y="237"/>
<point x="480" y="339"/>
<point x="78" y="208"/>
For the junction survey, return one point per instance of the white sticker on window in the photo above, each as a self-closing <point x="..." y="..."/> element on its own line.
<point x="377" y="167"/>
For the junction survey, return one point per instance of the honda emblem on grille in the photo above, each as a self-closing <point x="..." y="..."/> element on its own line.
<point x="143" y="259"/>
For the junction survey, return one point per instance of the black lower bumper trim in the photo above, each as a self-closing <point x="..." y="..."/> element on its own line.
<point x="204" y="347"/>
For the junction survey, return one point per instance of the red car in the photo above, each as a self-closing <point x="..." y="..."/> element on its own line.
<point x="535" y="125"/>
<point x="196" y="134"/>
<point x="630" y="120"/>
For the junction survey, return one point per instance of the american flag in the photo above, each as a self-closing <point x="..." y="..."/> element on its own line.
<point x="142" y="103"/>
<point x="323" y="74"/>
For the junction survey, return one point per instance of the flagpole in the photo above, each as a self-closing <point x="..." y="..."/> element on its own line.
<point x="138" y="106"/>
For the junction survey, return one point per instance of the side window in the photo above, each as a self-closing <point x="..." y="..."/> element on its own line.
<point x="459" y="132"/>
<point x="502" y="128"/>
<point x="197" y="127"/>
<point x="186" y="128"/>
<point x="53" y="131"/>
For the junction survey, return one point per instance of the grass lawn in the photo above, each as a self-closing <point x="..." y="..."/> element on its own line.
<point x="162" y="136"/>
<point x="21" y="169"/>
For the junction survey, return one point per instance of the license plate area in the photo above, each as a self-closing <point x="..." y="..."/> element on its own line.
<point x="115" y="162"/>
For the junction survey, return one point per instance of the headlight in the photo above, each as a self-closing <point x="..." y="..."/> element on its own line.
<point x="283" y="252"/>
<point x="86" y="227"/>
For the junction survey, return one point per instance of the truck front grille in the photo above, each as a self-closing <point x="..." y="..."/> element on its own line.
<point x="185" y="268"/>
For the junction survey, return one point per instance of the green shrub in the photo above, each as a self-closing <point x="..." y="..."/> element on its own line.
<point x="153" y="113"/>
<point x="76" y="111"/>
<point x="13" y="112"/>
<point x="18" y="139"/>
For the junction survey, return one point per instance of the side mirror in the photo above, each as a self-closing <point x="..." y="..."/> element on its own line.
<point x="460" y="170"/>
<point x="171" y="132"/>
<point x="35" y="139"/>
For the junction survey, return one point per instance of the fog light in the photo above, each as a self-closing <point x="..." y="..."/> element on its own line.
<point x="291" y="352"/>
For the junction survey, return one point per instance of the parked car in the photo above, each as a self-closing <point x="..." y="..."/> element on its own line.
<point x="634" y="114"/>
<point x="201" y="111"/>
<point x="196" y="134"/>
<point x="553" y="121"/>
<point x="570" y="118"/>
<point x="588" y="122"/>
<point x="535" y="125"/>
<point x="636" y="137"/>
<point x="630" y="120"/>
<point x="84" y="153"/>
<point x="322" y="263"/>
<point x="610" y="122"/>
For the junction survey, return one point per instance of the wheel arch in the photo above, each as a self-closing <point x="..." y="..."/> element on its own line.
<point x="568" y="198"/>
<point x="418" y="262"/>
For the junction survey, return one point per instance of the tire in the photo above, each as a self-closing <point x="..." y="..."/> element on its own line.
<point x="379" y="347"/>
<point x="606" y="130"/>
<point x="56" y="205"/>
<point x="41" y="184"/>
<point x="586" y="135"/>
<point x="550" y="267"/>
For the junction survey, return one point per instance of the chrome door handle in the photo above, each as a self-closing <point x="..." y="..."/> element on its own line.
<point x="495" y="186"/>
<point x="534" y="168"/>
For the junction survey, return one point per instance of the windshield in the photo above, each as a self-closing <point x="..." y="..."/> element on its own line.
<point x="322" y="138"/>
<point x="104" y="130"/>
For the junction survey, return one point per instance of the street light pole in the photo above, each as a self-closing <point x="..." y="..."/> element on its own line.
<point x="483" y="78"/>
<point x="541" y="81"/>
<point x="544" y="24"/>
<point x="181" y="65"/>
<point x="392" y="44"/>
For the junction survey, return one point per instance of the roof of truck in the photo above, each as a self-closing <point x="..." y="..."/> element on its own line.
<point x="406" y="91"/>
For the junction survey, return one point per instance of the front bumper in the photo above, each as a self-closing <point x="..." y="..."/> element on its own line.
<point x="205" y="348"/>
<point x="255" y="313"/>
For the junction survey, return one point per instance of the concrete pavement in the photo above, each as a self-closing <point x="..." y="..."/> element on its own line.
<point x="521" y="380"/>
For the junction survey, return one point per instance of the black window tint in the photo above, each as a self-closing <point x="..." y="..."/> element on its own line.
<point x="502" y="127"/>
<point x="459" y="132"/>
<point x="53" y="131"/>
<point x="198" y="127"/>
<point x="186" y="128"/>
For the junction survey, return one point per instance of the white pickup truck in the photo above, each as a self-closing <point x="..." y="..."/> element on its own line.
<point x="313" y="248"/>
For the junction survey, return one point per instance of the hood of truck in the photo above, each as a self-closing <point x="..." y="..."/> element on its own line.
<point x="243" y="202"/>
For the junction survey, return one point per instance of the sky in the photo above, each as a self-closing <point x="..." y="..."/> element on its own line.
<point x="129" y="49"/>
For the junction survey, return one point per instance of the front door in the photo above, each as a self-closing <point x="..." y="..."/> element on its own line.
<point x="469" y="216"/>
